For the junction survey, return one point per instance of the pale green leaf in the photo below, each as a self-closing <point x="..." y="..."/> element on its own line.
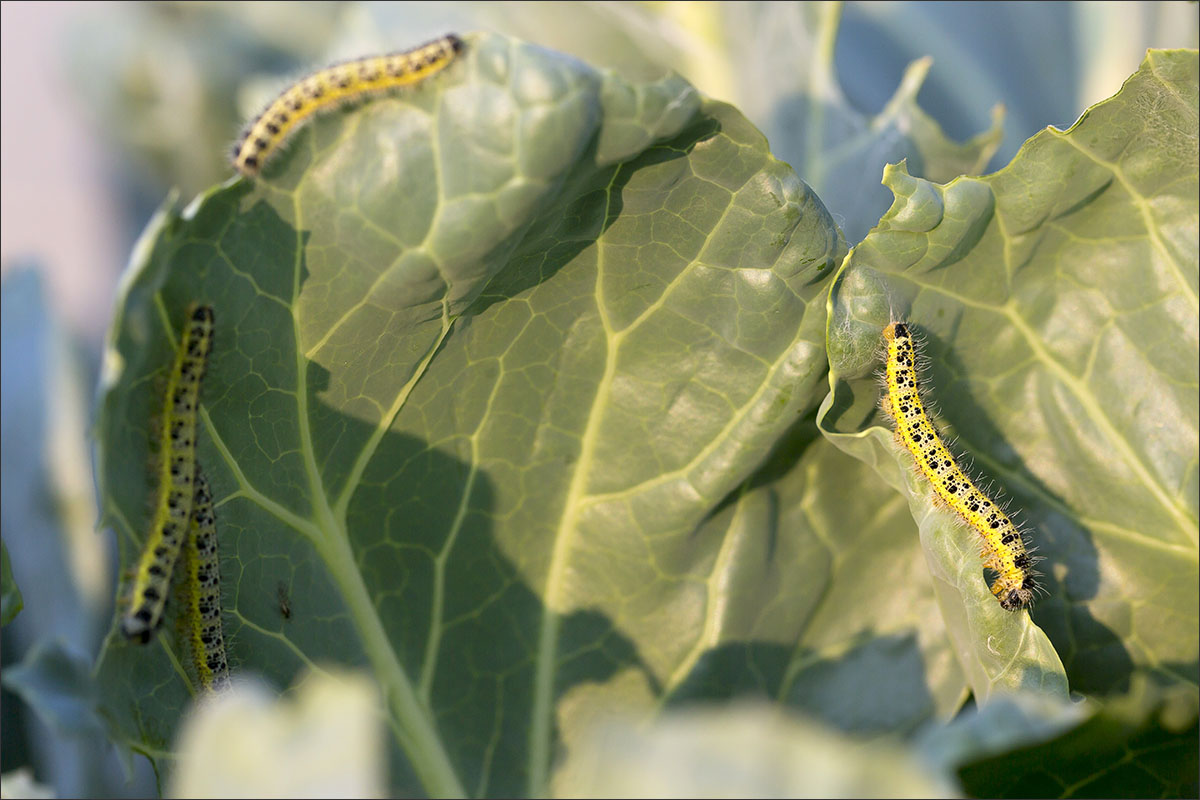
<point x="1058" y="303"/>
<point x="741" y="750"/>
<point x="775" y="62"/>
<point x="487" y="357"/>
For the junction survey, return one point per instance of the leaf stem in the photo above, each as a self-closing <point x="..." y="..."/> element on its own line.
<point x="422" y="744"/>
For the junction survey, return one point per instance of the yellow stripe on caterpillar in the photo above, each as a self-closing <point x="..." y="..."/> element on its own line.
<point x="176" y="470"/>
<point x="202" y="588"/>
<point x="1004" y="549"/>
<point x="332" y="86"/>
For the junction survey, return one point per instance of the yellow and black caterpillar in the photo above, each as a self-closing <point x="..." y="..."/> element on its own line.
<point x="1004" y="550"/>
<point x="328" y="88"/>
<point x="175" y="480"/>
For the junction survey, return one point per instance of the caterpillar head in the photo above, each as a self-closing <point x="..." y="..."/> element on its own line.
<point x="897" y="330"/>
